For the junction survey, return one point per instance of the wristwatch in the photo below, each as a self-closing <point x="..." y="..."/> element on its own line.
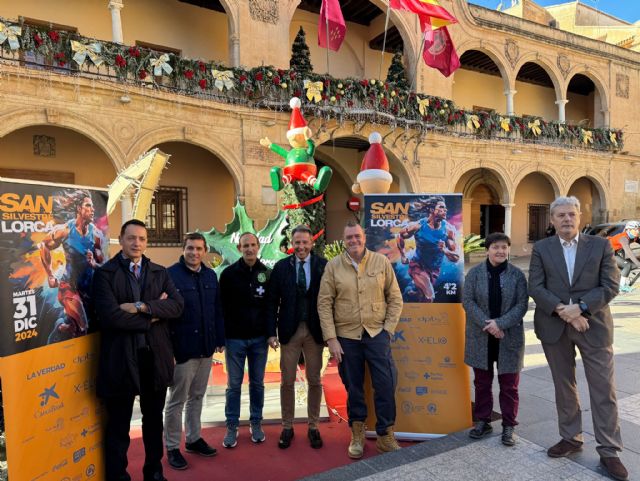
<point x="584" y="308"/>
<point x="139" y="305"/>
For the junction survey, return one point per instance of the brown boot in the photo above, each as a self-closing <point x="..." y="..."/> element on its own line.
<point x="356" y="446"/>
<point x="387" y="443"/>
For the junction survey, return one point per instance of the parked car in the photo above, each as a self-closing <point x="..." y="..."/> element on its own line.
<point x="605" y="230"/>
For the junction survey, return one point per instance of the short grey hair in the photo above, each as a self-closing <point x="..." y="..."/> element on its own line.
<point x="565" y="200"/>
<point x="301" y="228"/>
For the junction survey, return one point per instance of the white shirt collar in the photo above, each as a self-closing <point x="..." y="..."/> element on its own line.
<point x="571" y="242"/>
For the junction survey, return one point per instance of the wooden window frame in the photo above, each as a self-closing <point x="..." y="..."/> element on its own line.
<point x="158" y="48"/>
<point x="531" y="237"/>
<point x="164" y="237"/>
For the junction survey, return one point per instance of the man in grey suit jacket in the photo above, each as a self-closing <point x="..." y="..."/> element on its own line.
<point x="572" y="279"/>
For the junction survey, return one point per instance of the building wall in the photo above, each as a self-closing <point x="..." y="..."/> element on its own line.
<point x="533" y="189"/>
<point x="475" y="88"/>
<point x="197" y="32"/>
<point x="354" y="59"/>
<point x="228" y="135"/>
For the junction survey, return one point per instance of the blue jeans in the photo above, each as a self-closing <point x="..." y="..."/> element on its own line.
<point x="376" y="353"/>
<point x="236" y="352"/>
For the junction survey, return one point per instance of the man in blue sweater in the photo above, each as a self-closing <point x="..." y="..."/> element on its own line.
<point x="195" y="336"/>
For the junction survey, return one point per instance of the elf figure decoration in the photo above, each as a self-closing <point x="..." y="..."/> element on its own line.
<point x="299" y="164"/>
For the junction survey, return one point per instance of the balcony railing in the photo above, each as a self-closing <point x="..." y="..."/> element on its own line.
<point x="350" y="99"/>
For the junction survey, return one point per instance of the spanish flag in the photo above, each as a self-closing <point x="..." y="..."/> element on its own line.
<point x="429" y="11"/>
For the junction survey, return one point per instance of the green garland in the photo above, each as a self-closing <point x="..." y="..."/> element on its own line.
<point x="268" y="87"/>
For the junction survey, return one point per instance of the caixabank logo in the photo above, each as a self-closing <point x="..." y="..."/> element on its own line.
<point x="50" y="402"/>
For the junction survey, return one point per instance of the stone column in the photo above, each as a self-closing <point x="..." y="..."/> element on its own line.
<point x="507" y="218"/>
<point x="234" y="50"/>
<point x="509" y="94"/>
<point x="605" y="118"/>
<point x="116" y="22"/>
<point x="561" y="109"/>
<point x="466" y="214"/>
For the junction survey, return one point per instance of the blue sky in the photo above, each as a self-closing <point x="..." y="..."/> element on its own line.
<point x="628" y="10"/>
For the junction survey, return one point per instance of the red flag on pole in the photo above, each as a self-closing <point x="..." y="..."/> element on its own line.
<point x="331" y="26"/>
<point x="439" y="51"/>
<point x="437" y="15"/>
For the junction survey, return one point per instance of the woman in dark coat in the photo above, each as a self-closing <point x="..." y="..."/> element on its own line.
<point x="495" y="300"/>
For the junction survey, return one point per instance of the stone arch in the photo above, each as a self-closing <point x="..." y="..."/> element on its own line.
<point x="601" y="89"/>
<point x="547" y="66"/>
<point x="179" y="134"/>
<point x="598" y="182"/>
<point x="475" y="177"/>
<point x="406" y="28"/>
<point x="500" y="174"/>
<point x="493" y="54"/>
<point x="19" y="119"/>
<point x="551" y="178"/>
<point x="403" y="23"/>
<point x="405" y="172"/>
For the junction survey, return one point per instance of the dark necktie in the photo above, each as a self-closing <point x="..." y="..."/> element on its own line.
<point x="135" y="268"/>
<point x="302" y="277"/>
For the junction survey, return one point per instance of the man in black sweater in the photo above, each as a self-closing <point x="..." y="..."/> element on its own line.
<point x="243" y="288"/>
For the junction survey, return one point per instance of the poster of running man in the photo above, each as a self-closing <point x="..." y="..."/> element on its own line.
<point x="52" y="238"/>
<point x="421" y="234"/>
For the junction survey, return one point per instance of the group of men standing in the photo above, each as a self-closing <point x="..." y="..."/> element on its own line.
<point x="150" y="315"/>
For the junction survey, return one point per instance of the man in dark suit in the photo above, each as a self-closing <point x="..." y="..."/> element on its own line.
<point x="133" y="299"/>
<point x="292" y="310"/>
<point x="572" y="278"/>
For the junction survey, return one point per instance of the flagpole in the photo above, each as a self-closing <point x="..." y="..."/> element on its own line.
<point x="384" y="40"/>
<point x="326" y="18"/>
<point x="415" y="77"/>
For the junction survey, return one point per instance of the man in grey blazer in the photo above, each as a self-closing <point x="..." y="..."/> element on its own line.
<point x="572" y="279"/>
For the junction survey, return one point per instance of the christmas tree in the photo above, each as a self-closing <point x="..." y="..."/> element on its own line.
<point x="300" y="55"/>
<point x="396" y="73"/>
<point x="312" y="215"/>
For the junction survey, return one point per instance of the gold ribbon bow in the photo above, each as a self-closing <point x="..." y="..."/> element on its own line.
<point x="505" y="124"/>
<point x="160" y="65"/>
<point x="223" y="79"/>
<point x="535" y="127"/>
<point x="473" y="122"/>
<point x="614" y="138"/>
<point x="422" y="105"/>
<point x="11" y="33"/>
<point x="314" y="90"/>
<point x="587" y="137"/>
<point x="560" y="129"/>
<point x="93" y="50"/>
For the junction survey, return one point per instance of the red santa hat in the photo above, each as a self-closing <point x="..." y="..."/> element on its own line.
<point x="297" y="124"/>
<point x="375" y="158"/>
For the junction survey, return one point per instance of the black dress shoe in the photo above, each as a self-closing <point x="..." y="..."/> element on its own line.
<point x="176" y="459"/>
<point x="314" y="438"/>
<point x="200" y="447"/>
<point x="285" y="438"/>
<point x="480" y="430"/>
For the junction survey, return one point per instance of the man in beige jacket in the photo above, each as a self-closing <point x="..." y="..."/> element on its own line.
<point x="359" y="306"/>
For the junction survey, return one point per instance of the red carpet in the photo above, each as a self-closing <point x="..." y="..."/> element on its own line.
<point x="265" y="462"/>
<point x="259" y="462"/>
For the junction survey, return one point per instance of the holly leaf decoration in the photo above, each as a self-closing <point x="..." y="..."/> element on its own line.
<point x="225" y="244"/>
